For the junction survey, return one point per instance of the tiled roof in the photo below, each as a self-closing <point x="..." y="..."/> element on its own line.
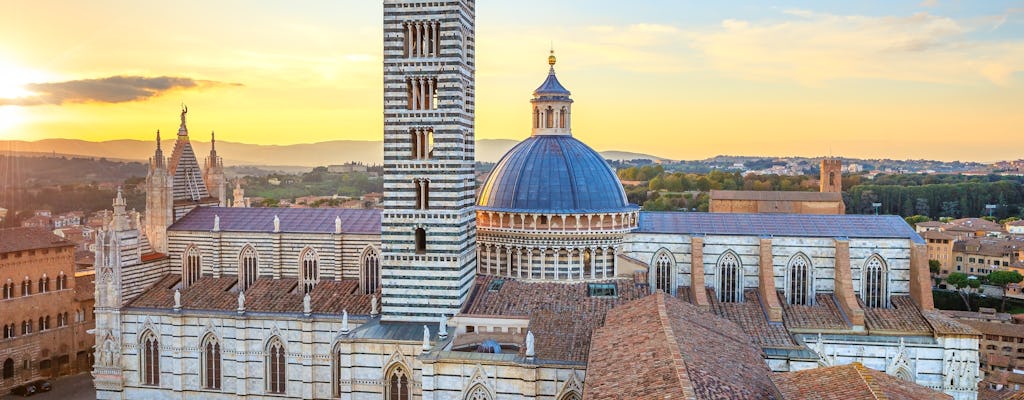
<point x="266" y="295"/>
<point x="293" y="220"/>
<point x="944" y="325"/>
<point x="823" y="314"/>
<point x="988" y="246"/>
<point x="902" y="316"/>
<point x="749" y="315"/>
<point x="658" y="348"/>
<point x="562" y="316"/>
<point x="804" y="225"/>
<point x="775" y="195"/>
<point x="85" y="287"/>
<point x="849" y="382"/>
<point x="18" y="239"/>
<point x="995" y="328"/>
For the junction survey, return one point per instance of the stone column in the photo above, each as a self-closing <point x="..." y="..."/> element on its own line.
<point x="437" y="43"/>
<point x="844" y="286"/>
<point x="419" y="39"/>
<point x="766" y="282"/>
<point x="920" y="277"/>
<point x="697" y="285"/>
<point x="593" y="262"/>
<point x="408" y="39"/>
<point x="508" y="252"/>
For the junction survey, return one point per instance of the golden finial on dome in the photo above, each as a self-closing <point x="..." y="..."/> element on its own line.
<point x="551" y="58"/>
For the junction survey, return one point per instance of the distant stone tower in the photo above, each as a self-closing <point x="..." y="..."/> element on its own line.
<point x="429" y="224"/>
<point x="831" y="175"/>
<point x="238" y="196"/>
<point x="213" y="174"/>
<point x="159" y="201"/>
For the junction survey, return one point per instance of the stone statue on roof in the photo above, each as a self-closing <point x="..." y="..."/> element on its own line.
<point x="307" y="306"/>
<point x="344" y="321"/>
<point x="530" y="351"/>
<point x="177" y="299"/>
<point x="426" y="338"/>
<point x="337" y="224"/>
<point x="216" y="223"/>
<point x="241" y="302"/>
<point x="277" y="224"/>
<point x="443" y="327"/>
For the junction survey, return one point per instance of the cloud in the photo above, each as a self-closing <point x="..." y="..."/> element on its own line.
<point x="813" y="47"/>
<point x="929" y="3"/>
<point x="113" y="89"/>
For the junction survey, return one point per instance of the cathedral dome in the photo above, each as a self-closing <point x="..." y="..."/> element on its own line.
<point x="553" y="173"/>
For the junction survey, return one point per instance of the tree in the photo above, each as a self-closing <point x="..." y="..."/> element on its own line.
<point x="913" y="220"/>
<point x="961" y="281"/>
<point x="1004" y="279"/>
<point x="934" y="266"/>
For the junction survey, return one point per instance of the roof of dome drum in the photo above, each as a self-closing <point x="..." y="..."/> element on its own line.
<point x="554" y="173"/>
<point x="552" y="88"/>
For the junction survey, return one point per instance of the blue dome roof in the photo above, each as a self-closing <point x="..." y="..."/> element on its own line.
<point x="551" y="87"/>
<point x="553" y="173"/>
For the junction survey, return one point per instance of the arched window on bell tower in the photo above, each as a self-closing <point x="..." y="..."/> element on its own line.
<point x="421" y="241"/>
<point x="422" y="194"/>
<point x="563" y="116"/>
<point x="549" y="118"/>
<point x="536" y="117"/>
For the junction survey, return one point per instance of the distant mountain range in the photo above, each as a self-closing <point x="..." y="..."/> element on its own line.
<point x="305" y="155"/>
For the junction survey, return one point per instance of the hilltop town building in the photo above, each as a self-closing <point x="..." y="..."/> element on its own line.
<point x="828" y="200"/>
<point x="45" y="311"/>
<point x="505" y="295"/>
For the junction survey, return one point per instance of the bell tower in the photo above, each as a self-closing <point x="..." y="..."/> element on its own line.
<point x="831" y="175"/>
<point x="428" y="236"/>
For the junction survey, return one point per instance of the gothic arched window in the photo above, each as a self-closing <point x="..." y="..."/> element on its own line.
<point x="26" y="287"/>
<point x="370" y="270"/>
<point x="663" y="272"/>
<point x="8" y="290"/>
<point x="248" y="267"/>
<point x="571" y="395"/>
<point x="478" y="392"/>
<point x="211" y="362"/>
<point x="549" y="118"/>
<point x="310" y="269"/>
<point x="875" y="282"/>
<point x="149" y="364"/>
<point x="730" y="278"/>
<point x="562" y="115"/>
<point x="191" y="266"/>
<point x="396" y="384"/>
<point x="800" y="281"/>
<point x="275" y="366"/>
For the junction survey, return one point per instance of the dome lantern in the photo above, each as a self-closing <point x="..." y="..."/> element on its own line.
<point x="552" y="106"/>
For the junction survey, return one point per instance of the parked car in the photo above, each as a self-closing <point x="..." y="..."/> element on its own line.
<point x="25" y="390"/>
<point x="43" y="385"/>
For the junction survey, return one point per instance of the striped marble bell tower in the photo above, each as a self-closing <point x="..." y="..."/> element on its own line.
<point x="428" y="236"/>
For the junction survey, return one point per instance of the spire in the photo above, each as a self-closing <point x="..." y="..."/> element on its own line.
<point x="183" y="130"/>
<point x="213" y="148"/>
<point x="158" y="140"/>
<point x="158" y="156"/>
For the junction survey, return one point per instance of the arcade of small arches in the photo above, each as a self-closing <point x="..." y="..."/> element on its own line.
<point x="799" y="279"/>
<point x="308" y="268"/>
<point x="547" y="262"/>
<point x="550" y="117"/>
<point x="527" y="222"/>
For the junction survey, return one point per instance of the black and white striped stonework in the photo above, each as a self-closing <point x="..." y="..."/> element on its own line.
<point x="428" y="229"/>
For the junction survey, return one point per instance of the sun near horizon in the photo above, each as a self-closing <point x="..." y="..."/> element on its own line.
<point x="682" y="80"/>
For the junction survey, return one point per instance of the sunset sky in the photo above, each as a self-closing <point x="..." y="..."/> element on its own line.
<point x="685" y="80"/>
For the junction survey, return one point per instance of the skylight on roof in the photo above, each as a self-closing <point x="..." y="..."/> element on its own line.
<point x="601" y="290"/>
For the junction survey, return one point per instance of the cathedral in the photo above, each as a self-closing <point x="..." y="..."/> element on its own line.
<point x="546" y="283"/>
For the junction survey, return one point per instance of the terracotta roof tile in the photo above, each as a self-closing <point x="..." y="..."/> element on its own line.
<point x="749" y="315"/>
<point x="823" y="314"/>
<point x="562" y="315"/>
<point x="849" y="382"/>
<point x="265" y="295"/>
<point x="85" y="288"/>
<point x="18" y="239"/>
<point x="995" y="328"/>
<point x="668" y="357"/>
<point x="903" y="316"/>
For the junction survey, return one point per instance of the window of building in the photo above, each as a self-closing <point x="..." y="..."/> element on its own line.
<point x="8" y="331"/>
<point x="601" y="290"/>
<point x="421" y="38"/>
<point x="421" y="241"/>
<point x="211" y="363"/>
<point x="44" y="284"/>
<point x="730" y="278"/>
<point x="150" y="362"/>
<point x="397" y="384"/>
<point x="62" y="281"/>
<point x="875" y="279"/>
<point x="26" y="327"/>
<point x="310" y="269"/>
<point x="191" y="266"/>
<point x="276" y="364"/>
<point x="422" y="93"/>
<point x="663" y="264"/>
<point x="8" y="290"/>
<point x="799" y="288"/>
<point x="422" y="194"/>
<point x="26" y="287"/>
<point x="370" y="268"/>
<point x="422" y="143"/>
<point x="478" y="392"/>
<point x="248" y="267"/>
